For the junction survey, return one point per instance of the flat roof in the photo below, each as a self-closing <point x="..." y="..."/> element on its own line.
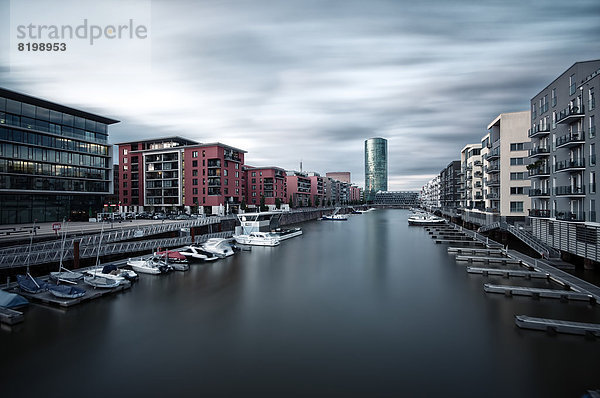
<point x="13" y="95"/>
<point x="177" y="138"/>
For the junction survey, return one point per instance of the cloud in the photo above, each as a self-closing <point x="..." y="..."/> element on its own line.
<point x="311" y="80"/>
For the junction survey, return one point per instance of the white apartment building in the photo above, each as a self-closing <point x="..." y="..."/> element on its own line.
<point x="471" y="181"/>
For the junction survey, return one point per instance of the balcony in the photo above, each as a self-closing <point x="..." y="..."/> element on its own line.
<point x="569" y="191"/>
<point x="539" y="192"/>
<point x="478" y="197"/>
<point x="495" y="168"/>
<point x="539" y="152"/>
<point x="538" y="131"/>
<point x="493" y="183"/>
<point x="478" y="174"/>
<point x="539" y="213"/>
<point x="570" y="114"/>
<point x="570" y="216"/>
<point x="477" y="163"/>
<point x="493" y="210"/>
<point x="493" y="196"/>
<point x="570" y="165"/>
<point x="495" y="154"/>
<point x="540" y="172"/>
<point x="570" y="140"/>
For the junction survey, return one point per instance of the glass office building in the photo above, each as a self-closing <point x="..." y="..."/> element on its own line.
<point x="55" y="161"/>
<point x="375" y="167"/>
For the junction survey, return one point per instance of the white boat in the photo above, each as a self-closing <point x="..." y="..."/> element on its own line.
<point x="197" y="253"/>
<point x="284" y="234"/>
<point x="120" y="275"/>
<point x="218" y="246"/>
<point x="335" y="217"/>
<point x="420" y="219"/>
<point x="101" y="282"/>
<point x="257" y="239"/>
<point x="150" y="265"/>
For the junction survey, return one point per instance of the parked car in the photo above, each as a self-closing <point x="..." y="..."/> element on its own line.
<point x="159" y="216"/>
<point x="183" y="217"/>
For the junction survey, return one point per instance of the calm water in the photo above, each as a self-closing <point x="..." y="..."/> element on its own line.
<point x="368" y="307"/>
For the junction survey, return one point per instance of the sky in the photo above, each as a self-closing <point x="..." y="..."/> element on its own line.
<point x="305" y="80"/>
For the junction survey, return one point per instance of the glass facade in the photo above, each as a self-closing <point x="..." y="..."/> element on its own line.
<point x="375" y="167"/>
<point x="55" y="162"/>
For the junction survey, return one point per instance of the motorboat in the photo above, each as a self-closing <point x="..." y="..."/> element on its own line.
<point x="68" y="292"/>
<point x="12" y="300"/>
<point x="195" y="252"/>
<point x="425" y="219"/>
<point x="257" y="239"/>
<point x="284" y="234"/>
<point x="335" y="217"/>
<point x="172" y="256"/>
<point x="101" y="282"/>
<point x="152" y="265"/>
<point x="218" y="246"/>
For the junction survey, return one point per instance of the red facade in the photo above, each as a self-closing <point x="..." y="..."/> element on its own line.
<point x="267" y="181"/>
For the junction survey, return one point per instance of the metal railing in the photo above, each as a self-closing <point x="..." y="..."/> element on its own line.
<point x="524" y="236"/>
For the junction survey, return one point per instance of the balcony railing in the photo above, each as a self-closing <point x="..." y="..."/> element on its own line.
<point x="478" y="174"/>
<point x="570" y="165"/>
<point x="539" y="213"/>
<point x="539" y="192"/>
<point x="492" y="210"/>
<point x="569" y="114"/>
<point x="493" y="183"/>
<point x="570" y="216"/>
<point x="569" y="191"/>
<point x="537" y="130"/>
<point x="539" y="151"/>
<point x="495" y="168"/>
<point x="493" y="196"/>
<point x="571" y="139"/>
<point x="540" y="172"/>
<point x="495" y="154"/>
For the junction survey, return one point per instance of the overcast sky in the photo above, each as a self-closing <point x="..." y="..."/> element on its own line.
<point x="308" y="80"/>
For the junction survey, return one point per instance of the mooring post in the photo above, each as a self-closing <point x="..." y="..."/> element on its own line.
<point x="76" y="254"/>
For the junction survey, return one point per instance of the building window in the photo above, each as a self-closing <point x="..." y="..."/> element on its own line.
<point x="195" y="191"/>
<point x="237" y="183"/>
<point x="517" y="190"/>
<point x="516" y="207"/>
<point x="572" y="84"/>
<point x="226" y="191"/>
<point x="254" y="187"/>
<point x="517" y="176"/>
<point x="225" y="172"/>
<point x="516" y="161"/>
<point x="592" y="154"/>
<point x="237" y="166"/>
<point x="125" y="168"/>
<point x="553" y="95"/>
<point x="125" y="184"/>
<point x="553" y="119"/>
<point x="593" y="182"/>
<point x="591" y="99"/>
<point x="124" y="160"/>
<point x="125" y="192"/>
<point x="194" y="163"/>
<point x="592" y="126"/>
<point x="195" y="154"/>
<point x="194" y="172"/>
<point x="253" y="175"/>
<point x="226" y="181"/>
<point x="124" y="151"/>
<point x="203" y="153"/>
<point x="517" y="146"/>
<point x="194" y="181"/>
<point x="237" y="174"/>
<point x="124" y="176"/>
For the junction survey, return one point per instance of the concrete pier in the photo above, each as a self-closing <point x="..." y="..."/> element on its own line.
<point x="557" y="326"/>
<point x="507" y="273"/>
<point x="539" y="293"/>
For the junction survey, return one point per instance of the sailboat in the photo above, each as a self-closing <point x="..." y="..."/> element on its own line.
<point x="101" y="281"/>
<point x="28" y="283"/>
<point x="64" y="274"/>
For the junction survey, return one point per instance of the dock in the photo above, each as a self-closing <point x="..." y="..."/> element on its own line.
<point x="539" y="293"/>
<point x="557" y="326"/>
<point x="480" y="259"/>
<point x="508" y="273"/>
<point x="458" y="242"/>
<point x="48" y="298"/>
<point x="474" y="251"/>
<point x="10" y="317"/>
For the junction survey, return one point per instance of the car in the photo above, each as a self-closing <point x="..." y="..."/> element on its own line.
<point x="159" y="216"/>
<point x="183" y="217"/>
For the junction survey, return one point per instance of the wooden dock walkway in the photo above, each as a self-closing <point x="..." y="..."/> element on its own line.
<point x="539" y="293"/>
<point x="557" y="326"/>
<point x="507" y="273"/>
<point x="10" y="317"/>
<point x="480" y="259"/>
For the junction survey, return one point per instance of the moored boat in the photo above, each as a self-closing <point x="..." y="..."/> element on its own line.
<point x="12" y="300"/>
<point x="218" y="246"/>
<point x="425" y="219"/>
<point x="150" y="265"/>
<point x="196" y="252"/>
<point x="335" y="217"/>
<point x="257" y="239"/>
<point x="62" y="291"/>
<point x="101" y="282"/>
<point x="29" y="284"/>
<point x="284" y="234"/>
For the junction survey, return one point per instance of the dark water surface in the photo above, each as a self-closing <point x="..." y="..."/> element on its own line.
<point x="369" y="307"/>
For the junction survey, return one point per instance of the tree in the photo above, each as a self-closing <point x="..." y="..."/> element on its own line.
<point x="328" y="202"/>
<point x="291" y="203"/>
<point x="278" y="203"/>
<point x="243" y="204"/>
<point x="263" y="207"/>
<point x="309" y="203"/>
<point x="317" y="201"/>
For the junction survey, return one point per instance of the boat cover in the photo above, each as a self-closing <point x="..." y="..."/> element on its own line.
<point x="66" y="291"/>
<point x="27" y="283"/>
<point x="107" y="269"/>
<point x="11" y="300"/>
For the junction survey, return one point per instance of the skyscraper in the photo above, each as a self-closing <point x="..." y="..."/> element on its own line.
<point x="375" y="167"/>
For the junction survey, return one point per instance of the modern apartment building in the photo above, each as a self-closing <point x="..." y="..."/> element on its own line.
<point x="430" y="194"/>
<point x="504" y="151"/>
<point x="267" y="182"/>
<point x="449" y="188"/>
<point x="375" y="167"/>
<point x="177" y="174"/>
<point x="563" y="171"/>
<point x="397" y="198"/>
<point x="298" y="188"/>
<point x="55" y="161"/>
<point x="471" y="181"/>
<point x="343" y="176"/>
<point x="317" y="188"/>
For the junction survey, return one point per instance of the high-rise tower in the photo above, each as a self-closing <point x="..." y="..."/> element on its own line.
<point x="375" y="167"/>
